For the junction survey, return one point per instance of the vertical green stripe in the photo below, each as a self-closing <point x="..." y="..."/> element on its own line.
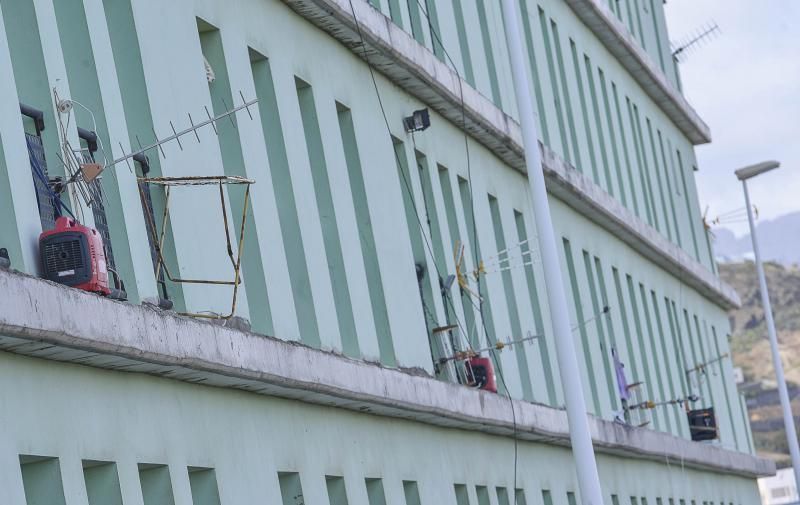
<point x="657" y="358"/>
<point x="566" y="97"/>
<point x="452" y="223"/>
<point x="533" y="296"/>
<point x="537" y="81"/>
<point x="414" y="233"/>
<point x="746" y="422"/>
<point x="84" y="87"/>
<point x="230" y="146"/>
<point x="463" y="42"/>
<point x="703" y="341"/>
<point x="639" y="23"/>
<point x="597" y="314"/>
<point x="328" y="221"/>
<point x="631" y="185"/>
<point x="285" y="201"/>
<point x="695" y="358"/>
<point x="551" y="70"/>
<point x="395" y="13"/>
<point x="613" y="137"/>
<point x="486" y="304"/>
<point x="637" y="321"/>
<point x="579" y="314"/>
<point x="668" y="371"/>
<point x="366" y="237"/>
<point x="667" y="176"/>
<point x="431" y="216"/>
<point x="638" y="143"/>
<point x="489" y="53"/>
<point x="724" y="381"/>
<point x="680" y="359"/>
<point x="626" y="330"/>
<point x="655" y="176"/>
<point x="598" y="122"/>
<point x="136" y="106"/>
<point x="688" y="202"/>
<point x="42" y="481"/>
<point x="585" y="111"/>
<point x="433" y="25"/>
<point x="416" y="21"/>
<point x="657" y="31"/>
<point x="511" y="300"/>
<point x="466" y="198"/>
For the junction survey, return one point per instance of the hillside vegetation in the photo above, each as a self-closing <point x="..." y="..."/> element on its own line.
<point x="751" y="349"/>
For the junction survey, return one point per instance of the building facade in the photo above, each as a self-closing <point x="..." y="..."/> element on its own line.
<point x="372" y="255"/>
<point x="780" y="489"/>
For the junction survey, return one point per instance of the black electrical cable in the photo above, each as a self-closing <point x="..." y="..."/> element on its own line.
<point x="493" y="353"/>
<point x="39" y="172"/>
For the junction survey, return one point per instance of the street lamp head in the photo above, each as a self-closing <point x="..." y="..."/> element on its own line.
<point x="753" y="170"/>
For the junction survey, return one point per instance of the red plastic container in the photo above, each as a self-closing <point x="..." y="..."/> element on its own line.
<point x="481" y="372"/>
<point x="73" y="255"/>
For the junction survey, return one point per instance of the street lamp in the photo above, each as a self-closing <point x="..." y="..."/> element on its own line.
<point x="788" y="419"/>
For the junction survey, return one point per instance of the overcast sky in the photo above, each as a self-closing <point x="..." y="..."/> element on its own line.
<point x="745" y="83"/>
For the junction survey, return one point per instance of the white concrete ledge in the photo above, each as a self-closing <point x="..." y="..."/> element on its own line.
<point x="415" y="69"/>
<point x="591" y="201"/>
<point x="42" y="319"/>
<point x="596" y="15"/>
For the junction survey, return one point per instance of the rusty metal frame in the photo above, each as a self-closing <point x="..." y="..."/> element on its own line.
<point x="236" y="262"/>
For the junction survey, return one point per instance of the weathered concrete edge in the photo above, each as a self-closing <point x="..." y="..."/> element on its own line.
<point x="412" y="67"/>
<point x="40" y="311"/>
<point x="608" y="212"/>
<point x="615" y="36"/>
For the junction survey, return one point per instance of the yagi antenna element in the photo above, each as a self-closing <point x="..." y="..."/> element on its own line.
<point x="701" y="36"/>
<point x="176" y="135"/>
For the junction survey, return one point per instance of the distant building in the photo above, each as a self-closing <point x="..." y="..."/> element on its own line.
<point x="780" y="489"/>
<point x="738" y="375"/>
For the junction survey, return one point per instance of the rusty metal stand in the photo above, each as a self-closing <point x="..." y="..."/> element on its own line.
<point x="236" y="262"/>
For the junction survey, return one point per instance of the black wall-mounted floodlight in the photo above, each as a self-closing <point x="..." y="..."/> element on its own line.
<point x="417" y="122"/>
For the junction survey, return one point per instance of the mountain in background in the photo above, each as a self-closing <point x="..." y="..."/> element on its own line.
<point x="751" y="351"/>
<point x="779" y="240"/>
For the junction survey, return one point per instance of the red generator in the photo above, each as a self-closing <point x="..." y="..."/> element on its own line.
<point x="73" y="255"/>
<point x="480" y="372"/>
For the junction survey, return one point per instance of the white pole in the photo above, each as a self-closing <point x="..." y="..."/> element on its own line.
<point x="582" y="450"/>
<point x="783" y="393"/>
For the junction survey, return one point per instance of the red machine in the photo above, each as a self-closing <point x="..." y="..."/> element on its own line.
<point x="73" y="255"/>
<point x="480" y="372"/>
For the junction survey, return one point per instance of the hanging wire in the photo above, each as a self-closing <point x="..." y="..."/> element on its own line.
<point x="405" y="180"/>
<point x="472" y="206"/>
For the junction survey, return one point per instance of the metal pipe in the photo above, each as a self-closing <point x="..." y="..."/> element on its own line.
<point x="35" y="114"/>
<point x="783" y="393"/>
<point x="89" y="137"/>
<point x="581" y="440"/>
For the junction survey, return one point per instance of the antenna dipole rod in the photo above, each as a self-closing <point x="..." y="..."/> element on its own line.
<point x="181" y="133"/>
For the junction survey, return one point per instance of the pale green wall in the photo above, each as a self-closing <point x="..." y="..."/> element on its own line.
<point x="63" y="411"/>
<point x="309" y="233"/>
<point x="488" y="69"/>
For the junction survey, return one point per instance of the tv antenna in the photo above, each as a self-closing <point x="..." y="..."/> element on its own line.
<point x="82" y="175"/>
<point x="738" y="215"/>
<point x="701" y="36"/>
<point x="701" y="369"/>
